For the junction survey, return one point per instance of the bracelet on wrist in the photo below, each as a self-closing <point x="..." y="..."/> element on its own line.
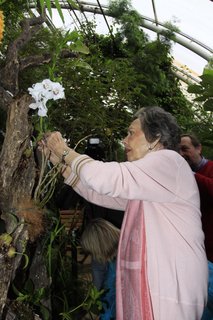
<point x="64" y="154"/>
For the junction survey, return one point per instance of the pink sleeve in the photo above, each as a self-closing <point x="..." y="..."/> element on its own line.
<point x="156" y="177"/>
<point x="93" y="196"/>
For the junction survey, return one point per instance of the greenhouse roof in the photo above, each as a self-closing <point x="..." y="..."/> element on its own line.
<point x="194" y="42"/>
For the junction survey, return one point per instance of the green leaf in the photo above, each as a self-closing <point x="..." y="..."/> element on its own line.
<point x="49" y="7"/>
<point x="209" y="92"/>
<point x="41" y="4"/>
<point x="39" y="295"/>
<point x="16" y="291"/>
<point x="208" y="72"/>
<point x="58" y="7"/>
<point x="23" y="298"/>
<point x="82" y="64"/>
<point x="207" y="79"/>
<point x="208" y="105"/>
<point x="79" y="47"/>
<point x="72" y="36"/>
<point x="26" y="260"/>
<point x="45" y="312"/>
<point x="73" y="4"/>
<point x="194" y="88"/>
<point x="29" y="286"/>
<point x="200" y="98"/>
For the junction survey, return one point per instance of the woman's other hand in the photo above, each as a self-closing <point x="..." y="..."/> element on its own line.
<point x="51" y="156"/>
<point x="55" y="143"/>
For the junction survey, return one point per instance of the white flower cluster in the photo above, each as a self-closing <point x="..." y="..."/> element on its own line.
<point x="44" y="91"/>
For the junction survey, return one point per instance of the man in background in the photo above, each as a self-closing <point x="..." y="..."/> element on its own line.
<point x="191" y="150"/>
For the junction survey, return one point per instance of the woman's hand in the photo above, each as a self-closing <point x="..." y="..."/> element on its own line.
<point x="51" y="156"/>
<point x="56" y="144"/>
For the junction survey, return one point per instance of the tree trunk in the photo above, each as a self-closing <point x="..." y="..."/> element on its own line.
<point x="17" y="178"/>
<point x="19" y="214"/>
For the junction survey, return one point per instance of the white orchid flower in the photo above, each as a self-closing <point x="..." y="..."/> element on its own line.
<point x="44" y="91"/>
<point x="47" y="84"/>
<point x="42" y="111"/>
<point x="36" y="91"/>
<point x="58" y="91"/>
<point x="39" y="91"/>
<point x="48" y="89"/>
<point x="41" y="106"/>
<point x="33" y="106"/>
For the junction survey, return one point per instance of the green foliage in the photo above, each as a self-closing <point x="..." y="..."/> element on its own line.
<point x="72" y="41"/>
<point x="168" y="34"/>
<point x="201" y="123"/>
<point x="129" y="26"/>
<point x="14" y="12"/>
<point x="48" y="4"/>
<point x="171" y="27"/>
<point x="29" y="296"/>
<point x="198" y="121"/>
<point x="55" y="233"/>
<point x="46" y="42"/>
<point x="119" y="7"/>
<point x="69" y="294"/>
<point x="91" y="302"/>
<point x="204" y="90"/>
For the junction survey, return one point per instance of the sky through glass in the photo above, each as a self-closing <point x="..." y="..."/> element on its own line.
<point x="192" y="17"/>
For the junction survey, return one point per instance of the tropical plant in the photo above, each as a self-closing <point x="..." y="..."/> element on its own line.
<point x="48" y="4"/>
<point x="31" y="298"/>
<point x="204" y="90"/>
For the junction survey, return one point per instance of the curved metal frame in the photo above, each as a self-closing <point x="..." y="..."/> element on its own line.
<point x="181" y="38"/>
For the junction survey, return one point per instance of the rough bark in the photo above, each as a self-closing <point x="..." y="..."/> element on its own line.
<point x="10" y="72"/>
<point x="16" y="165"/>
<point x="17" y="178"/>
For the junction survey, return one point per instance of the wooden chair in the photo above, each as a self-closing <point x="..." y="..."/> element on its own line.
<point x="72" y="219"/>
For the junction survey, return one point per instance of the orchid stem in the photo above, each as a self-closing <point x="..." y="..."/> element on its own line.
<point x="41" y="125"/>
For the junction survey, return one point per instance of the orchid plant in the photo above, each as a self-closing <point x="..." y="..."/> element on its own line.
<point x="42" y="92"/>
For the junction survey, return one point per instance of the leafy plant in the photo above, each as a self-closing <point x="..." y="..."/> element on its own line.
<point x="92" y="300"/>
<point x="50" y="242"/>
<point x="204" y="90"/>
<point x="48" y="4"/>
<point x="29" y="296"/>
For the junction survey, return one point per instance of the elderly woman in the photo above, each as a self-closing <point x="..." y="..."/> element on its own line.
<point x="162" y="269"/>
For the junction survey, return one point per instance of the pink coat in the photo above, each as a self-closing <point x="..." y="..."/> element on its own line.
<point x="162" y="243"/>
